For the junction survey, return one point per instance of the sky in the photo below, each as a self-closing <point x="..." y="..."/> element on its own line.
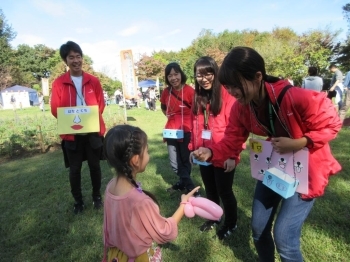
<point x="102" y="28"/>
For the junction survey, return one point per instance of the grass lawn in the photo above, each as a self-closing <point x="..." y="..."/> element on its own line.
<point x="36" y="208"/>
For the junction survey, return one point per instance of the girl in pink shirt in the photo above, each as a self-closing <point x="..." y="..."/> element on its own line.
<point x="132" y="221"/>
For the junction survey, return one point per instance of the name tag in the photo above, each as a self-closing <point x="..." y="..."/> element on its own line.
<point x="206" y="134"/>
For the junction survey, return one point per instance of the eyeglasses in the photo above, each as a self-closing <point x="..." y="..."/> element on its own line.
<point x="207" y="76"/>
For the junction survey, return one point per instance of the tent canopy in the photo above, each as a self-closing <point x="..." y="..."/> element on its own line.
<point x="148" y="83"/>
<point x="27" y="96"/>
<point x="17" y="88"/>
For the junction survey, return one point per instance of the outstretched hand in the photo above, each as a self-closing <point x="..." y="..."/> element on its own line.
<point x="185" y="198"/>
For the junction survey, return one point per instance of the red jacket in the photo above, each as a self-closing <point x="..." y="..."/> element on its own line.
<point x="216" y="125"/>
<point x="307" y="114"/>
<point x="179" y="117"/>
<point x="64" y="95"/>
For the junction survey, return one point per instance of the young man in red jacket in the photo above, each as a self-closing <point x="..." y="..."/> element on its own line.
<point x="77" y="88"/>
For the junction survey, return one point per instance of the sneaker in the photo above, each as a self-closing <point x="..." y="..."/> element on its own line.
<point x="225" y="232"/>
<point x="97" y="202"/>
<point x="78" y="207"/>
<point x="208" y="225"/>
<point x="176" y="187"/>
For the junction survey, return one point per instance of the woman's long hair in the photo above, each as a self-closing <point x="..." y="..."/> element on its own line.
<point x="242" y="63"/>
<point x="205" y="65"/>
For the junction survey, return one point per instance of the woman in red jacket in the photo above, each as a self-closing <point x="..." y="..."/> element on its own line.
<point x="211" y="111"/>
<point x="176" y="102"/>
<point x="303" y="118"/>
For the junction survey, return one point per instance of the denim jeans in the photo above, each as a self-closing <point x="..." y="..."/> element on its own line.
<point x="77" y="152"/>
<point x="179" y="156"/>
<point x="218" y="185"/>
<point x="287" y="227"/>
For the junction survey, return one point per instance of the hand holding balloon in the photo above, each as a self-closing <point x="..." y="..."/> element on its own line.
<point x="202" y="207"/>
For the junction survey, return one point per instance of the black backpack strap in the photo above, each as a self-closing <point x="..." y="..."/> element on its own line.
<point x="281" y="95"/>
<point x="181" y="100"/>
<point x="276" y="106"/>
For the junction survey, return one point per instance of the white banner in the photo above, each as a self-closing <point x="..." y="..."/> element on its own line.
<point x="128" y="72"/>
<point x="45" y="86"/>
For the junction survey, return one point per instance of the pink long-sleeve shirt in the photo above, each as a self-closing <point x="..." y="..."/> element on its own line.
<point x="132" y="222"/>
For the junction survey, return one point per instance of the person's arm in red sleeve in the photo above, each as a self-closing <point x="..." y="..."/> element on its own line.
<point x="99" y="96"/>
<point x="164" y="101"/>
<point x="55" y="98"/>
<point x="319" y="116"/>
<point x="234" y="138"/>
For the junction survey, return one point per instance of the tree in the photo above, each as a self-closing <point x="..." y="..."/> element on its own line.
<point x="33" y="64"/>
<point x="346" y="12"/>
<point x="109" y="85"/>
<point x="344" y="49"/>
<point x="150" y="67"/>
<point x="6" y="36"/>
<point x="318" y="48"/>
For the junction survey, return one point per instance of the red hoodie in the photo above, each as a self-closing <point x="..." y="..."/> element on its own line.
<point x="216" y="125"/>
<point x="64" y="95"/>
<point x="307" y="114"/>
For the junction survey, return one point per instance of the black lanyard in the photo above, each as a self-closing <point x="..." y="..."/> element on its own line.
<point x="272" y="128"/>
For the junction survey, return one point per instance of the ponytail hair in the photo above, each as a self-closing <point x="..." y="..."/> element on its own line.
<point x="240" y="64"/>
<point x="121" y="143"/>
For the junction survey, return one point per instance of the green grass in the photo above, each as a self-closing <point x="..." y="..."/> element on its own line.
<point x="37" y="222"/>
<point x="19" y="133"/>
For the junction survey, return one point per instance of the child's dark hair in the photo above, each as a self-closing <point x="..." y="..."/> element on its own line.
<point x="206" y="65"/>
<point x="122" y="142"/>
<point x="67" y="47"/>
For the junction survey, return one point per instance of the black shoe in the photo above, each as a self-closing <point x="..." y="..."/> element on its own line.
<point x="225" y="232"/>
<point x="97" y="202"/>
<point x="78" y="207"/>
<point x="208" y="225"/>
<point x="176" y="187"/>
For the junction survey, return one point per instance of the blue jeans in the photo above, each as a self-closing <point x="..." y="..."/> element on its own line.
<point x="287" y="227"/>
<point x="179" y="156"/>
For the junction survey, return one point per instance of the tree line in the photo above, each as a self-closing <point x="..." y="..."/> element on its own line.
<point x="286" y="53"/>
<point x="27" y="65"/>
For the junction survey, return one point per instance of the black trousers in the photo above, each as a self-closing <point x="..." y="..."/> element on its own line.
<point x="84" y="147"/>
<point x="218" y="185"/>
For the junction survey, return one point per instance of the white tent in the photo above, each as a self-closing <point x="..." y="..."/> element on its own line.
<point x="23" y="96"/>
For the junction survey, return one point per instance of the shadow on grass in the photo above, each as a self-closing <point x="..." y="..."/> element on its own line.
<point x="331" y="212"/>
<point x="37" y="213"/>
<point x="37" y="222"/>
<point x="130" y="118"/>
